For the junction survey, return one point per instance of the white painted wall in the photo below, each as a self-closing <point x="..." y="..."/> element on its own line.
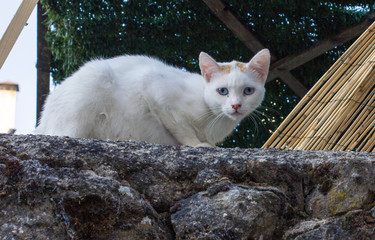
<point x="7" y="109"/>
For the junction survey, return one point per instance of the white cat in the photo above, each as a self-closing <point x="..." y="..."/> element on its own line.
<point x="143" y="99"/>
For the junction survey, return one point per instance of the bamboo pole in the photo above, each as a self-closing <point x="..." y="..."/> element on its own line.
<point x="353" y="95"/>
<point x="366" y="112"/>
<point x="367" y="144"/>
<point x="361" y="132"/>
<point x="328" y="99"/>
<point x="281" y="133"/>
<point x="343" y="115"/>
<point x="351" y="129"/>
<point x="347" y="106"/>
<point x="338" y="115"/>
<point x="333" y="114"/>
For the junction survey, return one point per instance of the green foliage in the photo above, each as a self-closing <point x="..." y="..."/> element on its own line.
<point x="176" y="31"/>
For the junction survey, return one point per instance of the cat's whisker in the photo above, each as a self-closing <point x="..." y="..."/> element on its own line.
<point x="211" y="125"/>
<point x="257" y="121"/>
<point x="205" y="115"/>
<point x="208" y="114"/>
<point x="262" y="114"/>
<point x="266" y="108"/>
<point x="212" y="122"/>
<point x="256" y="113"/>
<point x="252" y="118"/>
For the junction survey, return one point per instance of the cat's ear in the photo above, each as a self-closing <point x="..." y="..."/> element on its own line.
<point x="208" y="66"/>
<point x="260" y="63"/>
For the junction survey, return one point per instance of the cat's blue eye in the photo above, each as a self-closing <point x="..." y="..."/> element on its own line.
<point x="248" y="91"/>
<point x="222" y="91"/>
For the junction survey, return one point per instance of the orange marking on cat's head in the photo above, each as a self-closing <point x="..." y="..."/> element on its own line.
<point x="225" y="68"/>
<point x="241" y="66"/>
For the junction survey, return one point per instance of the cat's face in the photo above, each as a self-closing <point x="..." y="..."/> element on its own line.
<point x="235" y="89"/>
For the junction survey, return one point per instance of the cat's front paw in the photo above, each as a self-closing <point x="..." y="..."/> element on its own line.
<point x="204" y="145"/>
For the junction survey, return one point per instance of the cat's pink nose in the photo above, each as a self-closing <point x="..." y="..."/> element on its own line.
<point x="236" y="106"/>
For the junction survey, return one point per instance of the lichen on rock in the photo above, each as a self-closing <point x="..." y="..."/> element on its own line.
<point x="65" y="188"/>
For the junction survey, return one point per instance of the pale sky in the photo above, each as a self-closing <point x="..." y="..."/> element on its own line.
<point x="20" y="66"/>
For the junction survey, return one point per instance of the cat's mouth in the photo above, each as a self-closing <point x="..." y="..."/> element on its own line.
<point x="235" y="115"/>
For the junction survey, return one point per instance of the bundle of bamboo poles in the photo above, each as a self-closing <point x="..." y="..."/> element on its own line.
<point x="338" y="113"/>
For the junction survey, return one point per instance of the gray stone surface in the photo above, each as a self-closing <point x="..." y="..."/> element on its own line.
<point x="230" y="211"/>
<point x="353" y="225"/>
<point x="64" y="188"/>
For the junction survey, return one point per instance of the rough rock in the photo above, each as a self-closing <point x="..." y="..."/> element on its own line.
<point x="341" y="187"/>
<point x="353" y="225"/>
<point x="64" y="188"/>
<point x="230" y="211"/>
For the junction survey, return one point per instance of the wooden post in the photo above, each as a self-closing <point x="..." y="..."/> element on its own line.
<point x="43" y="63"/>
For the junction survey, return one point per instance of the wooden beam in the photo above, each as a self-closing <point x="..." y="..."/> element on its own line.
<point x="295" y="85"/>
<point x="250" y="39"/>
<point x="223" y="12"/>
<point x="15" y="27"/>
<point x="291" y="62"/>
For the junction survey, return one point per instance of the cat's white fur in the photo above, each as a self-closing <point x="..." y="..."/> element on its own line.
<point x="143" y="99"/>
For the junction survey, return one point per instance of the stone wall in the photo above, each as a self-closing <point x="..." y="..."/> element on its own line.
<point x="64" y="188"/>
